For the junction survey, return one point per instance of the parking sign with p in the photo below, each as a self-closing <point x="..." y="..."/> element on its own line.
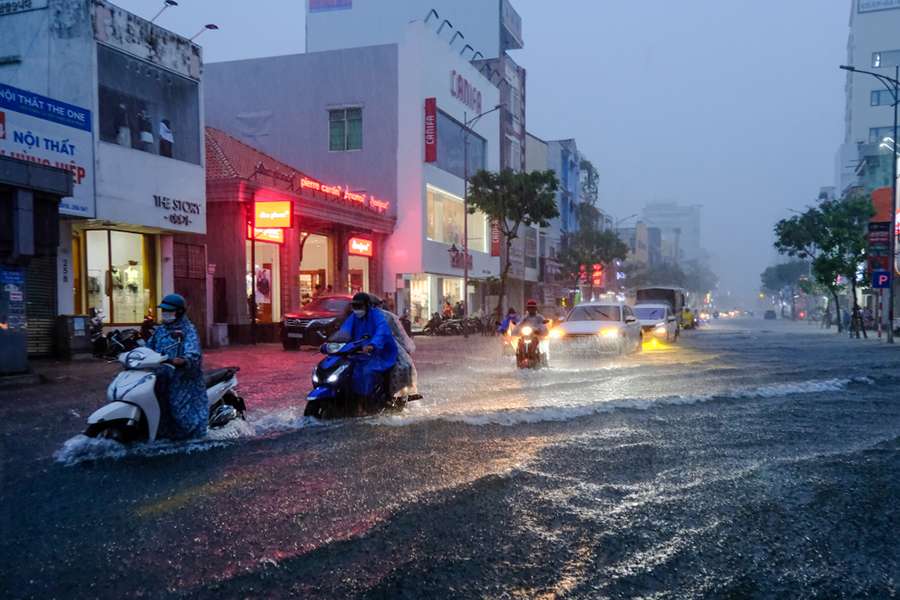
<point x="881" y="280"/>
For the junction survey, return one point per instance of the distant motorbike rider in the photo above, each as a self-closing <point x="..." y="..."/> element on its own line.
<point x="181" y="391"/>
<point x="366" y="321"/>
<point x="511" y="319"/>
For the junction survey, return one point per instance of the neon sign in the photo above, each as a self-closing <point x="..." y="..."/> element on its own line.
<point x="274" y="235"/>
<point x="343" y="193"/>
<point x="272" y="214"/>
<point x="360" y="247"/>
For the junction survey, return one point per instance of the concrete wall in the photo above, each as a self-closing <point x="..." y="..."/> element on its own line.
<point x="371" y="22"/>
<point x="280" y="106"/>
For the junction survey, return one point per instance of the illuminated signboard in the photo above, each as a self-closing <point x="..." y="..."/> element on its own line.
<point x="274" y="235"/>
<point x="343" y="193"/>
<point x="360" y="247"/>
<point x="272" y="214"/>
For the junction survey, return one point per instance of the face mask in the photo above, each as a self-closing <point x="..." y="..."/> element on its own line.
<point x="360" y="313"/>
<point x="168" y="317"/>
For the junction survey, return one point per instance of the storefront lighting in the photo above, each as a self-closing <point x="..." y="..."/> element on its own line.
<point x="272" y="214"/>
<point x="354" y="197"/>
<point x="273" y="235"/>
<point x="360" y="247"/>
<point x="341" y="193"/>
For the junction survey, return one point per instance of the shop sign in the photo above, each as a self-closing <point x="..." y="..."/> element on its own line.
<point x="45" y="131"/>
<point x="598" y="276"/>
<point x="328" y="5"/>
<point x="12" y="299"/>
<point x="465" y="92"/>
<point x="876" y="5"/>
<point x="10" y="7"/>
<point x="273" y="235"/>
<point x="496" y="237"/>
<point x="273" y="214"/>
<point x="342" y="193"/>
<point x="360" y="247"/>
<point x="431" y="132"/>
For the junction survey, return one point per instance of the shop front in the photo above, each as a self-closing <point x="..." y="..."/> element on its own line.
<point x="329" y="244"/>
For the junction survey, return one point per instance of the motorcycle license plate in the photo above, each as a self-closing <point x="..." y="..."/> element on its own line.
<point x="295" y="335"/>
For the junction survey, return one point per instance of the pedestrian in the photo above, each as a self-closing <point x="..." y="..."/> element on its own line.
<point x="458" y="310"/>
<point x="181" y="391"/>
<point x="317" y="291"/>
<point x="448" y="310"/>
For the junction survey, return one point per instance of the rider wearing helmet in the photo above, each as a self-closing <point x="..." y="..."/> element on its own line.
<point x="369" y="322"/>
<point x="180" y="390"/>
<point x="534" y="318"/>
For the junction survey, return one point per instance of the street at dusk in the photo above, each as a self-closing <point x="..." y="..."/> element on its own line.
<point x="748" y="460"/>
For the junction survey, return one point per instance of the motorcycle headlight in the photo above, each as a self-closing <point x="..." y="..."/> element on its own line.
<point x="527" y="330"/>
<point x="333" y="347"/>
<point x="315" y="377"/>
<point x="557" y="333"/>
<point x="333" y="378"/>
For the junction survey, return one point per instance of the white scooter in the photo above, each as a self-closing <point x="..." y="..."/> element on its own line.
<point x="133" y="412"/>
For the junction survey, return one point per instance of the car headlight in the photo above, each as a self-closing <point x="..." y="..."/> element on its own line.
<point x="337" y="373"/>
<point x="557" y="333"/>
<point x="609" y="333"/>
<point x="527" y="330"/>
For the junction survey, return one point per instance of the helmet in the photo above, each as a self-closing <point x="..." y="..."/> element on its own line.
<point x="174" y="302"/>
<point x="531" y="307"/>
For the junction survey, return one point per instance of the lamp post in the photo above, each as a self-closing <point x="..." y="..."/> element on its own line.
<point x="893" y="87"/>
<point x="467" y="123"/>
<point x="165" y="5"/>
<point x="210" y="26"/>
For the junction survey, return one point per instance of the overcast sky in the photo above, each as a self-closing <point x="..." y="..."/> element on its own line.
<point x="733" y="104"/>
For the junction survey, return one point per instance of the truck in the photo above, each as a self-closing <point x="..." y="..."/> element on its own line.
<point x="672" y="296"/>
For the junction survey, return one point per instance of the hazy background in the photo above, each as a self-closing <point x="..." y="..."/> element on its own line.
<point x="736" y="105"/>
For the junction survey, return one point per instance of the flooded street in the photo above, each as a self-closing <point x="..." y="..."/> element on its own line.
<point x="751" y="459"/>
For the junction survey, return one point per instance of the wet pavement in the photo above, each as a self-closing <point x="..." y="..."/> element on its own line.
<point x="752" y="459"/>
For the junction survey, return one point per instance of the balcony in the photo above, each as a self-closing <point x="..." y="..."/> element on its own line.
<point x="510" y="27"/>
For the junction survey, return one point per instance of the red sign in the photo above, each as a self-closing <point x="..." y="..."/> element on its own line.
<point x="274" y="235"/>
<point x="273" y="214"/>
<point x="431" y="131"/>
<point x="598" y="276"/>
<point x="496" y="237"/>
<point x="360" y="247"/>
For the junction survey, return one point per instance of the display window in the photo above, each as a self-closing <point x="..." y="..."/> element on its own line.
<point x="445" y="221"/>
<point x="358" y="277"/>
<point x="119" y="274"/>
<point x="314" y="268"/>
<point x="420" y="299"/>
<point x="267" y="273"/>
<point x="147" y="108"/>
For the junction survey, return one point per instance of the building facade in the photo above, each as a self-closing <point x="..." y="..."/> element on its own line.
<point x="115" y="100"/>
<point x="680" y="230"/>
<point x="383" y="121"/>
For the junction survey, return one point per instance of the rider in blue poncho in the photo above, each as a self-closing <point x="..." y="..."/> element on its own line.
<point x="381" y="348"/>
<point x="181" y="391"/>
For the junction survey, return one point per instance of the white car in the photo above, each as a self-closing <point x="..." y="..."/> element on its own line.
<point x="657" y="321"/>
<point x="600" y="327"/>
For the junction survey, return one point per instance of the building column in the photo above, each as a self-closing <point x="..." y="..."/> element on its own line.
<point x="65" y="277"/>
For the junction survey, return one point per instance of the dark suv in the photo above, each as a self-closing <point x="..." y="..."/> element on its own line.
<point x="312" y="324"/>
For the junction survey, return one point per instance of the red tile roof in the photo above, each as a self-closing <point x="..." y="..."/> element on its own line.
<point x="229" y="158"/>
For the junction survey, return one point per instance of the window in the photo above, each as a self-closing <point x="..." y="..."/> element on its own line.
<point x="121" y="276"/>
<point x="595" y="313"/>
<point x="267" y="272"/>
<point x="345" y="129"/>
<point x="445" y="216"/>
<point x="147" y="108"/>
<point x="877" y="134"/>
<point x="651" y="314"/>
<point x="451" y="147"/>
<point x="882" y="98"/>
<point x="886" y="58"/>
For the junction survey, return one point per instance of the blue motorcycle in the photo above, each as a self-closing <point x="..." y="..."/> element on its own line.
<point x="332" y="396"/>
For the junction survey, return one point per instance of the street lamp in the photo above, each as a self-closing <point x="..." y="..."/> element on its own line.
<point x="467" y="123"/>
<point x="165" y="5"/>
<point x="620" y="221"/>
<point x="893" y="87"/>
<point x="210" y="26"/>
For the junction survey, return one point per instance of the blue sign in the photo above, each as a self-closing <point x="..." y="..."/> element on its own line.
<point x="881" y="280"/>
<point x="42" y="107"/>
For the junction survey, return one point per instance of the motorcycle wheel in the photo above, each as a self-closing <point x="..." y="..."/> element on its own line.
<point x="116" y="432"/>
<point x="314" y="410"/>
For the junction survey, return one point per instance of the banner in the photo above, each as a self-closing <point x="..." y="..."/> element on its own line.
<point x="431" y="131"/>
<point x="48" y="132"/>
<point x="496" y="237"/>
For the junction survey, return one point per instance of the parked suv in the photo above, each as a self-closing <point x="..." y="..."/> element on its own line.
<point x="312" y="324"/>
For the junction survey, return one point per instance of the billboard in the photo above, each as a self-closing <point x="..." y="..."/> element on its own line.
<point x="45" y="131"/>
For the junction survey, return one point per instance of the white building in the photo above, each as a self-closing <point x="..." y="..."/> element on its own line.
<point x="397" y="110"/>
<point x="873" y="45"/>
<point x="679" y="228"/>
<point x="116" y="100"/>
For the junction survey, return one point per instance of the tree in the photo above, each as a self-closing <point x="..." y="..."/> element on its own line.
<point x="512" y="199"/>
<point x="590" y="246"/>
<point x="699" y="278"/>
<point x="833" y="236"/>
<point x="777" y="278"/>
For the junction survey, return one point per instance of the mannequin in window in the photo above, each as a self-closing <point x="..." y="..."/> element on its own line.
<point x="123" y="126"/>
<point x="166" y="138"/>
<point x="145" y="128"/>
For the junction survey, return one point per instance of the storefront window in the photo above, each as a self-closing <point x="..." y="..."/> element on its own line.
<point x="445" y="216"/>
<point x="121" y="274"/>
<point x="359" y="274"/>
<point x="451" y="147"/>
<point x="148" y="108"/>
<point x="420" y="309"/>
<point x="314" y="268"/>
<point x="268" y="282"/>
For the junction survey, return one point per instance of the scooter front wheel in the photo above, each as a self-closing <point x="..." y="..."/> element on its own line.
<point x="117" y="432"/>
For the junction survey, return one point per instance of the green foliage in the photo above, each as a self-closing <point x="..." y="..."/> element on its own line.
<point x="777" y="277"/>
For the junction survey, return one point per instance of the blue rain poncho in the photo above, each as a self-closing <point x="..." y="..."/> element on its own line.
<point x="187" y="415"/>
<point x="384" y="357"/>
